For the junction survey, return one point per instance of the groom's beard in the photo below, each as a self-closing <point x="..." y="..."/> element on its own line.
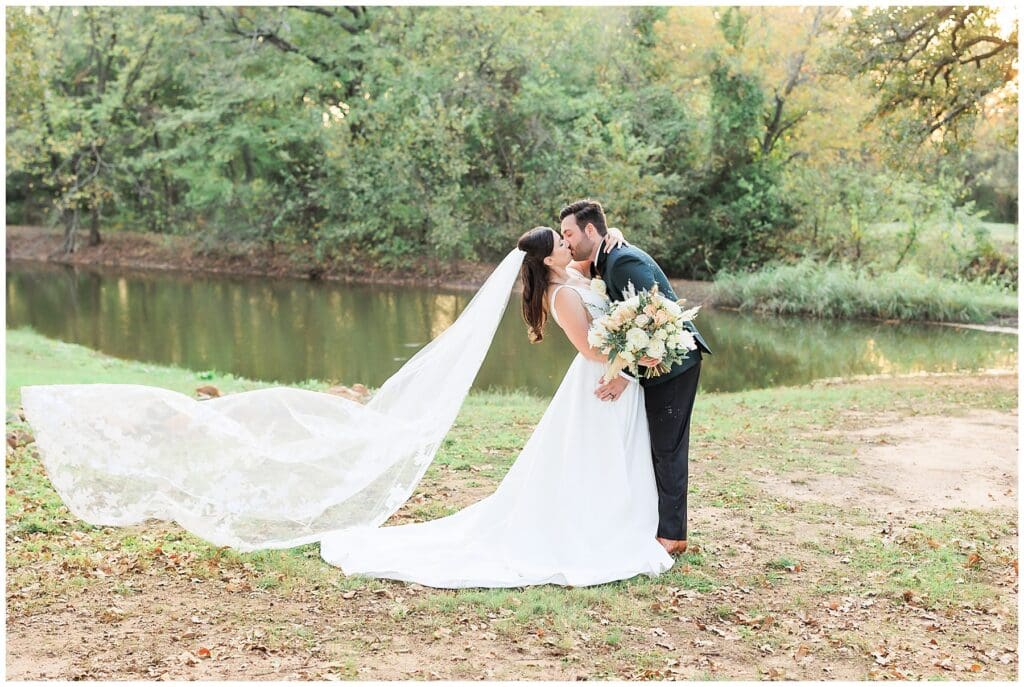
<point x="584" y="250"/>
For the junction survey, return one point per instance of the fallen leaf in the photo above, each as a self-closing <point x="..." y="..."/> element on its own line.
<point x="112" y="614"/>
<point x="203" y="652"/>
<point x="208" y="390"/>
<point x="973" y="560"/>
<point x="188" y="659"/>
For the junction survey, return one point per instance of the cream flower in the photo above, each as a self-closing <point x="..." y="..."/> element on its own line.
<point x="686" y="338"/>
<point x="656" y="349"/>
<point x="637" y="338"/>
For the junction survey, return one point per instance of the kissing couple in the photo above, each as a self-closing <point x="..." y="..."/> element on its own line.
<point x="597" y="494"/>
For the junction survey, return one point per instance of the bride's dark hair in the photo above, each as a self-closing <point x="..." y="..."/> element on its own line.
<point x="538" y="243"/>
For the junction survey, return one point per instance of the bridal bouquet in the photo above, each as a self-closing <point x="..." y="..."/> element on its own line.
<point x="645" y="324"/>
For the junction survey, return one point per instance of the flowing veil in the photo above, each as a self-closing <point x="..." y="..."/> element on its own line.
<point x="270" y="468"/>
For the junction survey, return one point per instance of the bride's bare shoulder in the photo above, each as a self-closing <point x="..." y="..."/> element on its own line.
<point x="565" y="304"/>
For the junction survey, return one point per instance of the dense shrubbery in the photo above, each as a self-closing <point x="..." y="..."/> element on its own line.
<point x="393" y="133"/>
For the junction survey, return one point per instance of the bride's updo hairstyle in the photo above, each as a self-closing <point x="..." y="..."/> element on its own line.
<point x="538" y="243"/>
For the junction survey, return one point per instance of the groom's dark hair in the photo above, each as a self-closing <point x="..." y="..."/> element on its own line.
<point x="586" y="211"/>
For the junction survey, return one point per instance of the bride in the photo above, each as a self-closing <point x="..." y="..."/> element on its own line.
<point x="280" y="467"/>
<point x="579" y="505"/>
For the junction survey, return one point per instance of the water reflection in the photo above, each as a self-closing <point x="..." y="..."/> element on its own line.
<point x="292" y="330"/>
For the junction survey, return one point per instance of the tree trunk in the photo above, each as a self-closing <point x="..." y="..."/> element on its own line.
<point x="94" y="226"/>
<point x="70" y="231"/>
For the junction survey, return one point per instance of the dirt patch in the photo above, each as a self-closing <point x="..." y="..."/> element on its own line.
<point x="919" y="464"/>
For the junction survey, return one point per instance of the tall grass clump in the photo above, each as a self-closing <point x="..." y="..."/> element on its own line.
<point x="842" y="291"/>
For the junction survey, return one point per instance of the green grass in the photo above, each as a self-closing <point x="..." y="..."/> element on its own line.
<point x="840" y="291"/>
<point x="930" y="566"/>
<point x="735" y="433"/>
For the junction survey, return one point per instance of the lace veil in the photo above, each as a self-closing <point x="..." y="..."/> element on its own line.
<point x="271" y="468"/>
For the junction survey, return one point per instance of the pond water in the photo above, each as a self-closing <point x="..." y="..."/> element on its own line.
<point x="292" y="330"/>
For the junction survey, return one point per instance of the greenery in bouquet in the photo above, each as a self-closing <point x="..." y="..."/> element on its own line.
<point x="645" y="324"/>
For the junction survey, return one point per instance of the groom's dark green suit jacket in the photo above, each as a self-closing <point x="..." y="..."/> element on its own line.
<point x="627" y="264"/>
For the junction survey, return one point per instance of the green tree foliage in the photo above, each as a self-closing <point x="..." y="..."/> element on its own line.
<point x="933" y="67"/>
<point x="81" y="86"/>
<point x="715" y="138"/>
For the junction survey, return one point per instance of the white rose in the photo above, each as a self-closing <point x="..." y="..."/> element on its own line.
<point x="642" y="320"/>
<point x="656" y="349"/>
<point x="598" y="286"/>
<point x="673" y="308"/>
<point x="660" y="335"/>
<point x="628" y="357"/>
<point x="633" y="302"/>
<point x="637" y="338"/>
<point x="674" y="341"/>
<point x="595" y="338"/>
<point x="687" y="340"/>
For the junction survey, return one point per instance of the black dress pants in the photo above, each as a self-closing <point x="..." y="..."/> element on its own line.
<point x="669" y="406"/>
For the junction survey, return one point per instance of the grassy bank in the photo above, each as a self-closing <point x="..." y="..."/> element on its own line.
<point x="777" y="586"/>
<point x="839" y="291"/>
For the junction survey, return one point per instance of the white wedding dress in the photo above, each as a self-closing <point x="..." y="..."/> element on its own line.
<point x="578" y="506"/>
<point x="280" y="467"/>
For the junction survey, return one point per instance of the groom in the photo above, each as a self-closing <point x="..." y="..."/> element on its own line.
<point x="668" y="397"/>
